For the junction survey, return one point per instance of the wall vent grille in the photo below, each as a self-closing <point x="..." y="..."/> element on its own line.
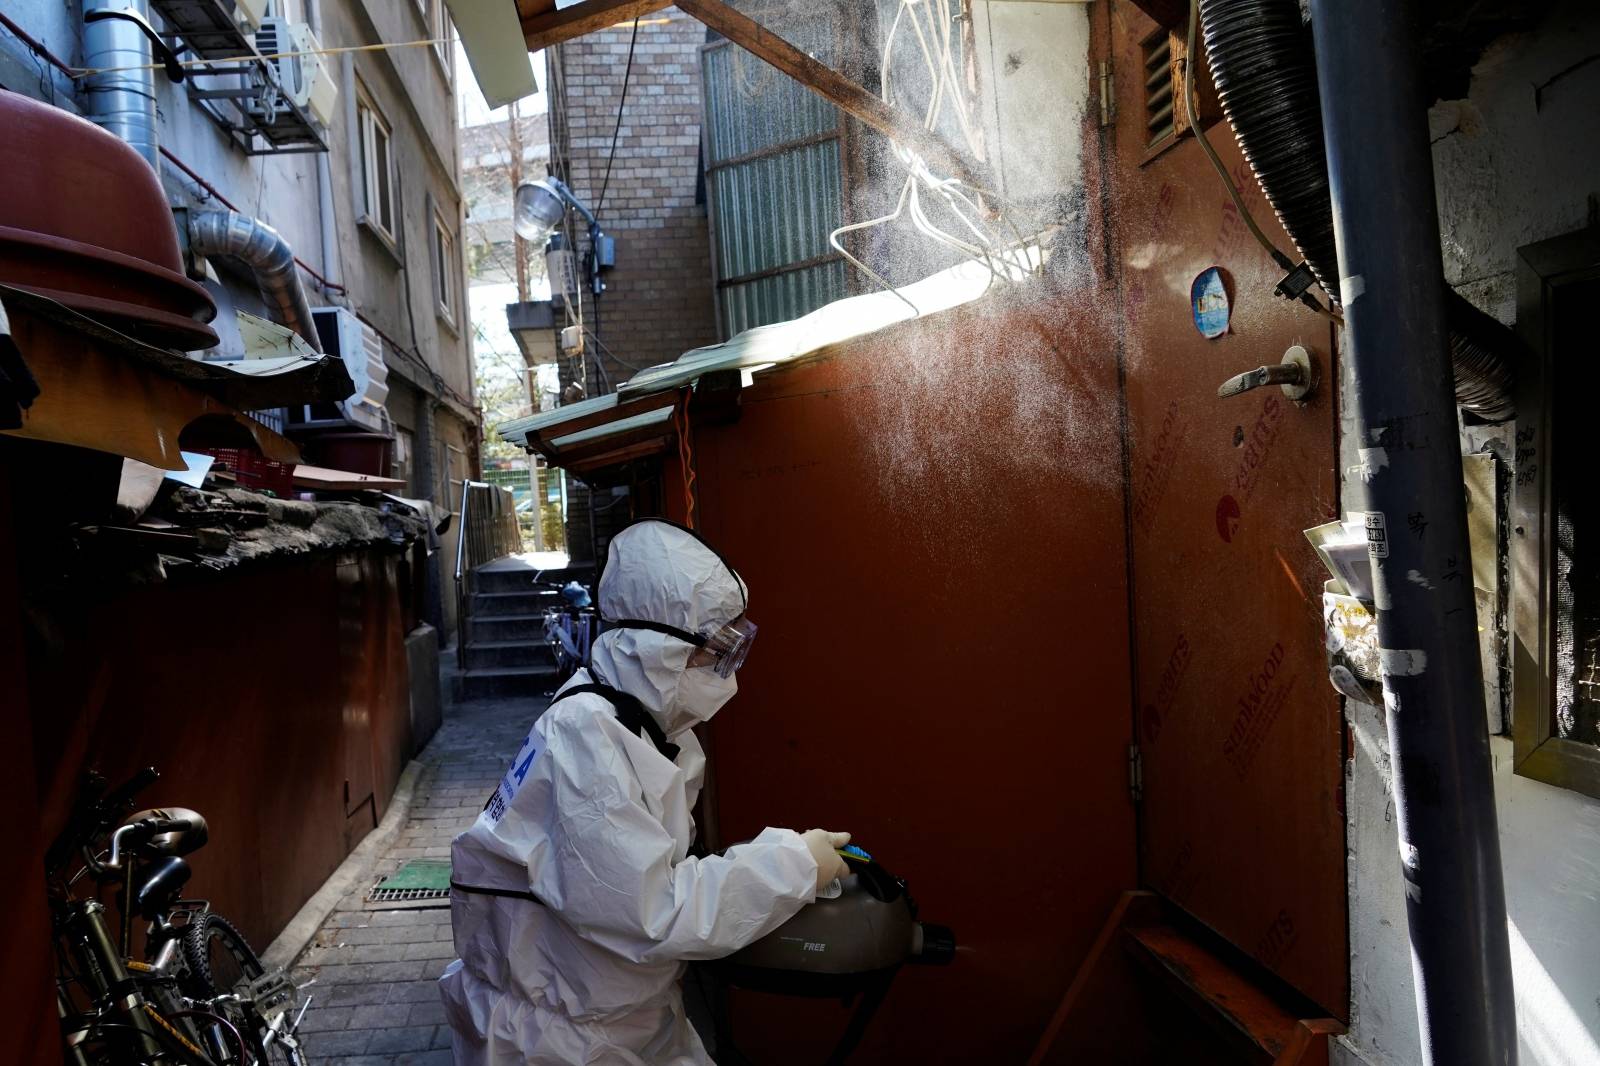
<point x="1158" y="95"/>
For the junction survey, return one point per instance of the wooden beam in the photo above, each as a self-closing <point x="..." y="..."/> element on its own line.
<point x="552" y="27"/>
<point x="831" y="86"/>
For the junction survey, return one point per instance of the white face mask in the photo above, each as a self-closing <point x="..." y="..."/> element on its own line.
<point x="702" y="693"/>
<point x="655" y="669"/>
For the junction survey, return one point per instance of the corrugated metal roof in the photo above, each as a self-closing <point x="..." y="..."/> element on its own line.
<point x="517" y="429"/>
<point x="766" y="346"/>
<point x="614" y="429"/>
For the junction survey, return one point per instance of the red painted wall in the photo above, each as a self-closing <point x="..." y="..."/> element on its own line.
<point x="257" y="694"/>
<point x="931" y="522"/>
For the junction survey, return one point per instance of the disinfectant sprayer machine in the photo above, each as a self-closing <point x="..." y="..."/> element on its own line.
<point x="848" y="947"/>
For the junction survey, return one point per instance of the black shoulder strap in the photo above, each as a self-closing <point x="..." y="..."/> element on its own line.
<point x="630" y="712"/>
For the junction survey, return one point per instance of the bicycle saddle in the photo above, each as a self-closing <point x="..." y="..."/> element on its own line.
<point x="176" y="841"/>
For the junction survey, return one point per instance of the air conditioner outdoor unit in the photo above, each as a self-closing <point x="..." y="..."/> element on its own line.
<point x="302" y="76"/>
<point x="352" y="340"/>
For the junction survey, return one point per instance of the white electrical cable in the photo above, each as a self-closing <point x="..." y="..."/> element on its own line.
<point x="934" y="41"/>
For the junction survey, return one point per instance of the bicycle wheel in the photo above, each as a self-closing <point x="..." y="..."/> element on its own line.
<point x="220" y="961"/>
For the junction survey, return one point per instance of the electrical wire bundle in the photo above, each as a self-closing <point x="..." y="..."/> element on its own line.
<point x="930" y="24"/>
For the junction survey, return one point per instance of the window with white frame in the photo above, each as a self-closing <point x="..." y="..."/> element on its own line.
<point x="377" y="168"/>
<point x="444" y="267"/>
<point x="439" y="30"/>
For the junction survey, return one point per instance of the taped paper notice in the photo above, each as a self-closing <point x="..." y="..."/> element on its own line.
<point x="1377" y="535"/>
<point x="1403" y="662"/>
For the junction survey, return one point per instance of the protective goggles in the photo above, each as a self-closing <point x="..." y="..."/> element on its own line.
<point x="728" y="644"/>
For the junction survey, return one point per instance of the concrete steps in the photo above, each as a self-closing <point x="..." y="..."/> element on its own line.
<point x="503" y="628"/>
<point x="503" y="579"/>
<point x="532" y="654"/>
<point x="495" y="684"/>
<point x="489" y="604"/>
<point x="506" y="654"/>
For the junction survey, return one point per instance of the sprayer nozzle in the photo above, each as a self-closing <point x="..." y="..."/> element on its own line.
<point x="932" y="945"/>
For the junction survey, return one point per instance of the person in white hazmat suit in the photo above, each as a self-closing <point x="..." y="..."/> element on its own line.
<point x="575" y="902"/>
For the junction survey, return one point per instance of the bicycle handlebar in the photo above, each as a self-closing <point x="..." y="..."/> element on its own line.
<point x="142" y="832"/>
<point x="94" y="810"/>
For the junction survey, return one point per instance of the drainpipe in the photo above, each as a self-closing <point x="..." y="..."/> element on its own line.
<point x="330" y="232"/>
<point x="124" y="102"/>
<point x="325" y="220"/>
<point x="269" y="257"/>
<point x="1391" y="278"/>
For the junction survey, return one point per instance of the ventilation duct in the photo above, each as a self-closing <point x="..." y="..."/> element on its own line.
<point x="269" y="257"/>
<point x="122" y="101"/>
<point x="1266" y="76"/>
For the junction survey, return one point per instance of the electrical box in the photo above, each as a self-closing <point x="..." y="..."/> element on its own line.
<point x="561" y="267"/>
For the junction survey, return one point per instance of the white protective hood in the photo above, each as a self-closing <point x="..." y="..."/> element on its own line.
<point x="659" y="572"/>
<point x="576" y="901"/>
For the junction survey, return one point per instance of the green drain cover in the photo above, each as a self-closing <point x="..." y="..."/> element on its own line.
<point x="416" y="881"/>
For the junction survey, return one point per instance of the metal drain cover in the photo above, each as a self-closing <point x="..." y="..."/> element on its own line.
<point x="419" y="882"/>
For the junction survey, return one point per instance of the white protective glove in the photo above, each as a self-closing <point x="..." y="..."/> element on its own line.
<point x="822" y="844"/>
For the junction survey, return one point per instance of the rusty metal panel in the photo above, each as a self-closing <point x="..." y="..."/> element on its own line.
<point x="237" y="689"/>
<point x="931" y="525"/>
<point x="1241" y="734"/>
<point x="25" y="942"/>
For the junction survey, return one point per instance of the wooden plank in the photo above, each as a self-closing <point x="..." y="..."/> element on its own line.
<point x="321" y="477"/>
<point x="832" y="87"/>
<point x="543" y="29"/>
<point x="1133" y="908"/>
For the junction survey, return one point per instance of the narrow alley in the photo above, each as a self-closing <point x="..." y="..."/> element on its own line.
<point x="374" y="996"/>
<point x="1148" y="436"/>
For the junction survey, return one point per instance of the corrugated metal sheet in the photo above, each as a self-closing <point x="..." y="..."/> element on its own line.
<point x="781" y="297"/>
<point x="751" y="107"/>
<point x="775" y="211"/>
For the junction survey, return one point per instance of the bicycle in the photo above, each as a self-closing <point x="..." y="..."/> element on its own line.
<point x="199" y="996"/>
<point x="569" y="629"/>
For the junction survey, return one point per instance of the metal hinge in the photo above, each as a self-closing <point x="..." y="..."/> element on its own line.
<point x="1108" y="100"/>
<point x="1135" y="772"/>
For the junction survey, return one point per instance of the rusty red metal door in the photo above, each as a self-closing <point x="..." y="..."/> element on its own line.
<point x="931" y="523"/>
<point x="1240" y="734"/>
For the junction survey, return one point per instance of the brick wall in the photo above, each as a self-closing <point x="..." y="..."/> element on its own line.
<point x="658" y="302"/>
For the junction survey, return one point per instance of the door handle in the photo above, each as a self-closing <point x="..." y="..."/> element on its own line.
<point x="1296" y="375"/>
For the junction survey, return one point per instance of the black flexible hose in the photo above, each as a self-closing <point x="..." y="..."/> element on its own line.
<point x="1266" y="78"/>
<point x="1264" y="68"/>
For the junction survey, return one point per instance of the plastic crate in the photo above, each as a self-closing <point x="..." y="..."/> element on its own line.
<point x="252" y="470"/>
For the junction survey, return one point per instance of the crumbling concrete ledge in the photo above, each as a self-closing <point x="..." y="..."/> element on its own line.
<point x="260" y="527"/>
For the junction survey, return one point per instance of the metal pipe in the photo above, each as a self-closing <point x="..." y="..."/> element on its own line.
<point x="325" y="218"/>
<point x="461" y="585"/>
<point x="1262" y="65"/>
<point x="124" y="100"/>
<point x="269" y="257"/>
<point x="212" y="191"/>
<point x="1391" y="277"/>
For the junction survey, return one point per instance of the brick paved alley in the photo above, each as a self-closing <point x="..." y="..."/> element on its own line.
<point x="375" y="1001"/>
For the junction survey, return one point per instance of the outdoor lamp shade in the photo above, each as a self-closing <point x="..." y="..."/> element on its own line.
<point x="539" y="210"/>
